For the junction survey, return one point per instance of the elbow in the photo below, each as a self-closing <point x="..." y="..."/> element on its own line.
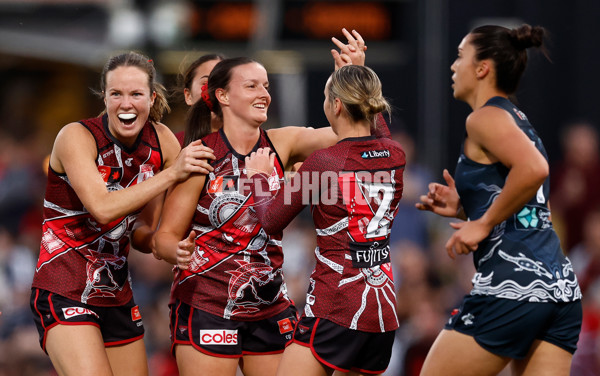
<point x="158" y="245"/>
<point x="155" y="249"/>
<point x="540" y="172"/>
<point x="101" y="216"/>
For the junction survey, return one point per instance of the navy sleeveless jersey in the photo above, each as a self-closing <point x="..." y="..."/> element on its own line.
<point x="79" y="258"/>
<point x="521" y="258"/>
<point x="354" y="189"/>
<point x="236" y="269"/>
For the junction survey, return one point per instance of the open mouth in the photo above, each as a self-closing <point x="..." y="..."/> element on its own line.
<point x="127" y="119"/>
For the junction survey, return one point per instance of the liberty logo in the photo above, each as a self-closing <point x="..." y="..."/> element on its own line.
<point x="528" y="218"/>
<point x="375" y="154"/>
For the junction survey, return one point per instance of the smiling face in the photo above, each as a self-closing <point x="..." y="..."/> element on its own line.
<point x="128" y="100"/>
<point x="201" y="74"/>
<point x="464" y="70"/>
<point x="246" y="96"/>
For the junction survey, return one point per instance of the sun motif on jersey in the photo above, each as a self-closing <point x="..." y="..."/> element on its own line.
<point x="378" y="285"/>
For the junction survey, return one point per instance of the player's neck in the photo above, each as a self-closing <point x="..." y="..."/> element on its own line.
<point x="351" y="130"/>
<point x="242" y="139"/>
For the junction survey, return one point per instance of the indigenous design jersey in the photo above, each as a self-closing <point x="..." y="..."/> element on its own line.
<point x="354" y="188"/>
<point x="521" y="259"/>
<point x="235" y="270"/>
<point x="79" y="258"/>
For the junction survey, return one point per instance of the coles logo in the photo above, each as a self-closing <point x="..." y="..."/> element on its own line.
<point x="218" y="337"/>
<point x="77" y="311"/>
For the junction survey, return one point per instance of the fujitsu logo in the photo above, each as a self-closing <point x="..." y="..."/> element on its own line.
<point x="77" y="311"/>
<point x="375" y="154"/>
<point x="218" y="337"/>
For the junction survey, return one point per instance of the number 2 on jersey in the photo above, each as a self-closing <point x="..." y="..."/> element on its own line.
<point x="368" y="203"/>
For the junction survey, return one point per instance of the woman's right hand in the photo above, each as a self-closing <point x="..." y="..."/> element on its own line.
<point x="260" y="161"/>
<point x="442" y="199"/>
<point x="185" y="249"/>
<point x="351" y="53"/>
<point x="193" y="159"/>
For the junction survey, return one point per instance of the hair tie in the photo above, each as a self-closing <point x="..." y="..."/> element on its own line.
<point x="206" y="97"/>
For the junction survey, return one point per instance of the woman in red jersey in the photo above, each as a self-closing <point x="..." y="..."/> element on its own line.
<point x="191" y="81"/>
<point x="354" y="189"/>
<point x="229" y="306"/>
<point x="102" y="172"/>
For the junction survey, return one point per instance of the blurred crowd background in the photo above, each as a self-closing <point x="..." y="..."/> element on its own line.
<point x="51" y="54"/>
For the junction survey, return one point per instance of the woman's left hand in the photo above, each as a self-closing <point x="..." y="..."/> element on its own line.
<point x="466" y="238"/>
<point x="260" y="161"/>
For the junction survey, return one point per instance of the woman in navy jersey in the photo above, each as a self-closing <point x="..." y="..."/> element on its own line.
<point x="105" y="174"/>
<point x="354" y="189"/>
<point x="525" y="305"/>
<point x="229" y="304"/>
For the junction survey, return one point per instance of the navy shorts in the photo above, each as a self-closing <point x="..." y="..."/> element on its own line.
<point x="216" y="336"/>
<point x="119" y="325"/>
<point x="345" y="349"/>
<point x="508" y="327"/>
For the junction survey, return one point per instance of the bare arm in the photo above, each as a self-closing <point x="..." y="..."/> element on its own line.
<point x="146" y="224"/>
<point x="295" y="144"/>
<point x="178" y="212"/>
<point x="74" y="153"/>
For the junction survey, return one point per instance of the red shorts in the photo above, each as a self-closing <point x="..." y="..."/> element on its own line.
<point x="118" y="325"/>
<point x="345" y="349"/>
<point x="213" y="335"/>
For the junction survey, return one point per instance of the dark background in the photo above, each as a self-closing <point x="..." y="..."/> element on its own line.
<point x="51" y="54"/>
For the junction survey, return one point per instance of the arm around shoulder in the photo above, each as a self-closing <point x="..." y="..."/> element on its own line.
<point x="177" y="215"/>
<point x="295" y="144"/>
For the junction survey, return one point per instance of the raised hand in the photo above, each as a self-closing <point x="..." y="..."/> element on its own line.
<point x="351" y="53"/>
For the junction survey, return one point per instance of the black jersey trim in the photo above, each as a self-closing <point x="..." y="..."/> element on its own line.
<point x="363" y="138"/>
<point x="233" y="151"/>
<point x="129" y="150"/>
<point x="275" y="150"/>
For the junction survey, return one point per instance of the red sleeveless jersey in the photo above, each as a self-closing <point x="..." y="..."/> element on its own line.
<point x="79" y="258"/>
<point x="354" y="189"/>
<point x="236" y="270"/>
